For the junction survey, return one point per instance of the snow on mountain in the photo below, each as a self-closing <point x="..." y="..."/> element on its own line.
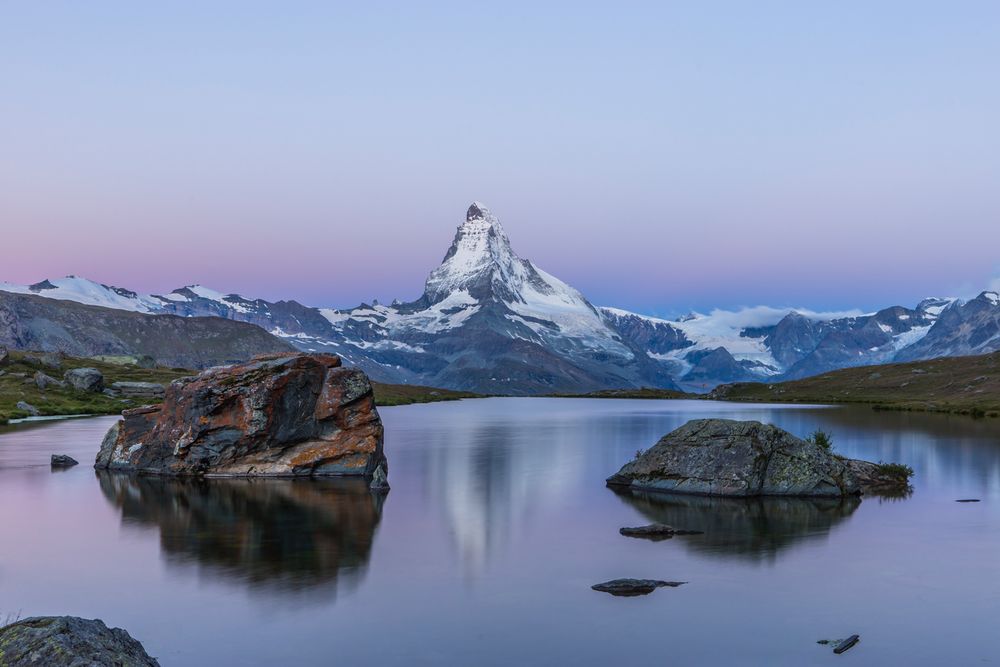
<point x="489" y="320"/>
<point x="88" y="292"/>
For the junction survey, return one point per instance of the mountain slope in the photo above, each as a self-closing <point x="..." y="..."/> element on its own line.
<point x="31" y="322"/>
<point x="490" y="321"/>
<point x="967" y="384"/>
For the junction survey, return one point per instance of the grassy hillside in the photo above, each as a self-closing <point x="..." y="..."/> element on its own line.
<point x="966" y="385"/>
<point x="405" y="394"/>
<point x="643" y="392"/>
<point x="17" y="384"/>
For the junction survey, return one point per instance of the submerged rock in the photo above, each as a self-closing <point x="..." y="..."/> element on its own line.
<point x="633" y="587"/>
<point x="380" y="481"/>
<point x="656" y="531"/>
<point x="63" y="461"/>
<point x="738" y="458"/>
<point x="68" y="641"/>
<point x="85" y="379"/>
<point x="287" y="415"/>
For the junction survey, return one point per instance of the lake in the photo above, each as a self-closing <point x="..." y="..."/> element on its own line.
<point x="497" y="525"/>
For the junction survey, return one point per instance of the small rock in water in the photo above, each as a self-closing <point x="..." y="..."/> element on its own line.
<point x="656" y="531"/>
<point x="380" y="482"/>
<point x="633" y="587"/>
<point x="846" y="644"/>
<point x="967" y="500"/>
<point x="63" y="461"/>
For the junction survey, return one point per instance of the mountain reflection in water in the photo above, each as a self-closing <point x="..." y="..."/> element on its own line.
<point x="746" y="528"/>
<point x="286" y="535"/>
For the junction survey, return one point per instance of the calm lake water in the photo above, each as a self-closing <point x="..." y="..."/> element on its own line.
<point x="497" y="524"/>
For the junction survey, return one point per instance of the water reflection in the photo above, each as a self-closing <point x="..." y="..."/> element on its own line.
<point x="747" y="528"/>
<point x="283" y="535"/>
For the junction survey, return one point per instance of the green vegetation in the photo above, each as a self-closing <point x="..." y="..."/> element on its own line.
<point x="406" y="394"/>
<point x="897" y="471"/>
<point x="963" y="385"/>
<point x="17" y="384"/>
<point x="644" y="392"/>
<point x="821" y="438"/>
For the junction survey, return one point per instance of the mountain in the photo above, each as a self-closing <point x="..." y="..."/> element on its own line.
<point x="490" y="321"/>
<point x="32" y="322"/>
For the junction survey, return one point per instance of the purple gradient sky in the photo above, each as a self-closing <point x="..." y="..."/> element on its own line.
<point x="829" y="155"/>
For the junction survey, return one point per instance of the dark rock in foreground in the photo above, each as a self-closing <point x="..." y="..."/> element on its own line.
<point x="634" y="587"/>
<point x="63" y="461"/>
<point x="68" y="641"/>
<point x="740" y="458"/>
<point x="4" y="356"/>
<point x="287" y="415"/>
<point x="656" y="531"/>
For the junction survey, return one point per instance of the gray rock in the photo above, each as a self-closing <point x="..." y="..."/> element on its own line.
<point x="63" y="461"/>
<point x="139" y="389"/>
<point x="634" y="587"/>
<point x="380" y="481"/>
<point x="111" y="393"/>
<point x="68" y="641"/>
<point x="43" y="381"/>
<point x="737" y="458"/>
<point x="50" y="360"/>
<point x="27" y="407"/>
<point x="85" y="379"/>
<point x="656" y="531"/>
<point x="4" y="356"/>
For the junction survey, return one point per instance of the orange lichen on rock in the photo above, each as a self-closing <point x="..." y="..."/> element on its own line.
<point x="279" y="415"/>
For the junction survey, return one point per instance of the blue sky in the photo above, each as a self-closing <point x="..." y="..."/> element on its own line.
<point x="658" y="156"/>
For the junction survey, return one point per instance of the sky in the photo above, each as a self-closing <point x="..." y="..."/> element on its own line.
<point x="659" y="156"/>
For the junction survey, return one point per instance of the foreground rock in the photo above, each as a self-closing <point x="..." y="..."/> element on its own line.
<point x="63" y="461"/>
<point x="68" y="641"/>
<point x="656" y="531"/>
<point x="743" y="458"/>
<point x="89" y="380"/>
<point x="287" y="415"/>
<point x="633" y="587"/>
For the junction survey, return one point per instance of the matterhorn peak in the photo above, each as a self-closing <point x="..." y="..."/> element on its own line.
<point x="479" y="211"/>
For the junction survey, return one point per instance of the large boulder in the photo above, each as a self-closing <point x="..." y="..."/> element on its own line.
<point x="85" y="379"/>
<point x="284" y="415"/>
<point x="738" y="458"/>
<point x="68" y="641"/>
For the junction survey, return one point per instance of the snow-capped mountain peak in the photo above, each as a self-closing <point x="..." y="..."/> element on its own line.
<point x="479" y="259"/>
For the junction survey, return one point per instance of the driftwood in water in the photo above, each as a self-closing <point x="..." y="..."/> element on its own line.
<point x="846" y="644"/>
